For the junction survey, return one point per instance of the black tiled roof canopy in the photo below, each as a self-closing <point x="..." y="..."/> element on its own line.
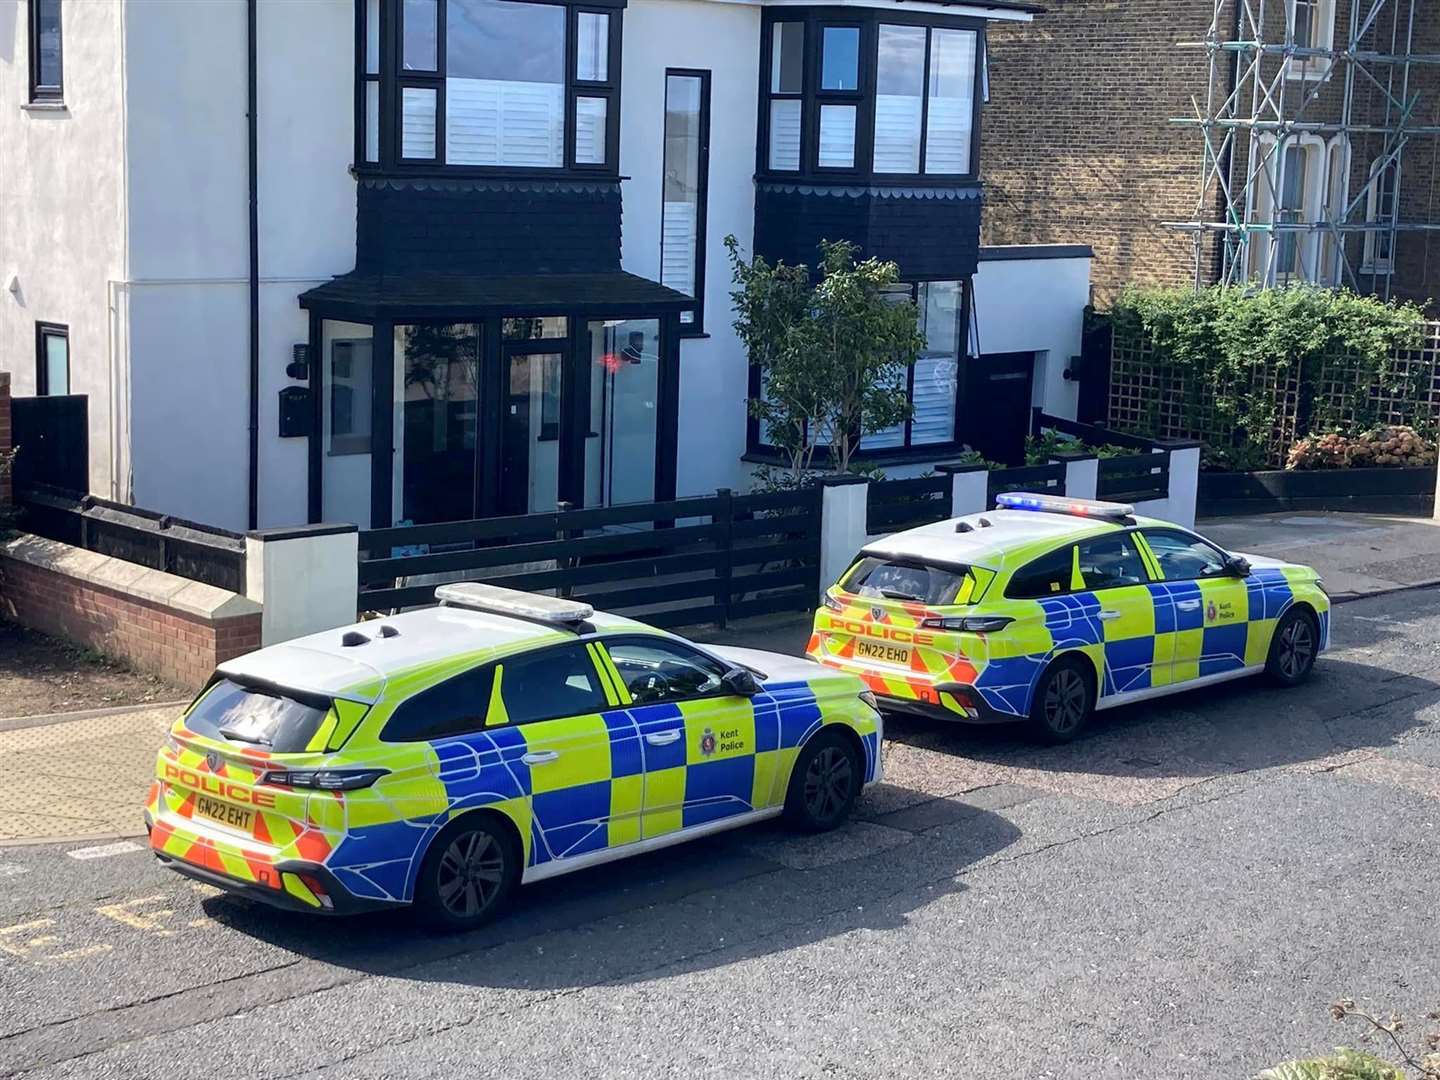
<point x="365" y="296"/>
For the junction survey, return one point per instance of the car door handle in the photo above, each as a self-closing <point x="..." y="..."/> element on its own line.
<point x="539" y="757"/>
<point x="1187" y="605"/>
<point x="662" y="738"/>
<point x="1108" y="615"/>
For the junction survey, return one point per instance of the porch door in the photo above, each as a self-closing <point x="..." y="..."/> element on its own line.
<point x="994" y="410"/>
<point x="530" y="439"/>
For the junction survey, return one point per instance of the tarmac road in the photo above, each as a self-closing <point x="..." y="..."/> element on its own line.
<point x="1180" y="894"/>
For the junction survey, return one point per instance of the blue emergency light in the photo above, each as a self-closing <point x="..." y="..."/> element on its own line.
<point x="1059" y="504"/>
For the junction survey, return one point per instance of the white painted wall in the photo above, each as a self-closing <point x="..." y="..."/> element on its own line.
<point x="61" y="204"/>
<point x="188" y="178"/>
<point x="1035" y="305"/>
<point x="724" y="39"/>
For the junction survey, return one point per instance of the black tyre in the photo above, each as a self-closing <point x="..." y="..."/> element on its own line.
<point x="469" y="874"/>
<point x="1064" y="700"/>
<point x="824" y="784"/>
<point x="1293" y="648"/>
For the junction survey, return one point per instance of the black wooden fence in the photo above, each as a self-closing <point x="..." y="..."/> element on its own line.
<point x="1134" y="477"/>
<point x="893" y="505"/>
<point x="688" y="561"/>
<point x="53" y="435"/>
<point x="1040" y="479"/>
<point x="184" y="548"/>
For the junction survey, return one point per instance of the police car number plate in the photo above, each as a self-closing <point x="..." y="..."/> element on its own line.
<point x="879" y="650"/>
<point x="235" y="817"/>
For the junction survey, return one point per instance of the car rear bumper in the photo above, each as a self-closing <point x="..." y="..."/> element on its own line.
<point x="957" y="705"/>
<point x="342" y="902"/>
<point x="289" y="884"/>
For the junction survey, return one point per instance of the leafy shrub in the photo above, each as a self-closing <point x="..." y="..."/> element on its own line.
<point x="1224" y="355"/>
<point x="1395" y="446"/>
<point x="1349" y="1064"/>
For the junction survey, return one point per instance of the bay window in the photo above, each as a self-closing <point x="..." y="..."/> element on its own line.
<point x="487" y="85"/>
<point x="889" y="95"/>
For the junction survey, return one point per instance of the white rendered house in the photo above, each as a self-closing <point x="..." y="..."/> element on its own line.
<point x="465" y="257"/>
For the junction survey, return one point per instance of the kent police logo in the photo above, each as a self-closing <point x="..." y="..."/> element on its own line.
<point x="878" y="614"/>
<point x="1211" y="612"/>
<point x="212" y="761"/>
<point x="707" y="742"/>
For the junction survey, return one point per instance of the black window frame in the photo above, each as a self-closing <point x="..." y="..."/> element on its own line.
<point x="393" y="80"/>
<point x="45" y="330"/>
<point x="696" y="327"/>
<point x="42" y="93"/>
<point x="756" y="449"/>
<point x="817" y="96"/>
<point x="654" y="641"/>
<point x="814" y="20"/>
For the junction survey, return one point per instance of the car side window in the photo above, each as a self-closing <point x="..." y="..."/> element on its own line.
<point x="456" y="706"/>
<point x="1183" y="557"/>
<point x="545" y="685"/>
<point x="1111" y="561"/>
<point x="549" y="684"/>
<point x="661" y="670"/>
<point x="1049" y="575"/>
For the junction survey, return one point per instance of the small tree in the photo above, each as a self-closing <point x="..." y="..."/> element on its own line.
<point x="831" y="348"/>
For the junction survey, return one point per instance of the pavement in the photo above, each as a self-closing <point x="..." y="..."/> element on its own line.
<point x="1181" y="893"/>
<point x="1356" y="554"/>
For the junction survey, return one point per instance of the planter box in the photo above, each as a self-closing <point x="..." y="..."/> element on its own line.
<point x="1375" y="491"/>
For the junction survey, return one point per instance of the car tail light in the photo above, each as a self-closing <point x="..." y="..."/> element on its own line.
<point x="324" y="779"/>
<point x="833" y="604"/>
<point x="968" y="624"/>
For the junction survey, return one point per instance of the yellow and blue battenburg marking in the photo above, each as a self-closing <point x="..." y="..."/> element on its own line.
<point x="1148" y="635"/>
<point x="572" y="786"/>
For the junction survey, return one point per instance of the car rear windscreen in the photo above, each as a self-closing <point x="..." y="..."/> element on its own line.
<point x="909" y="579"/>
<point x="261" y="716"/>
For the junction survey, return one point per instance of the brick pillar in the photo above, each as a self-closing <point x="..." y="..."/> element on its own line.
<point x="5" y="435"/>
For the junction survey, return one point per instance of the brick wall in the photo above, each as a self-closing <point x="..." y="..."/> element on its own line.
<point x="61" y="590"/>
<point x="1078" y="146"/>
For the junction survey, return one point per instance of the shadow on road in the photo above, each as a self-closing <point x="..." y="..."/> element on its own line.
<point x="753" y="892"/>
<point x="1227" y="728"/>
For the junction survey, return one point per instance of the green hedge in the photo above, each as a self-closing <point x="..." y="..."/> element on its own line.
<point x="1249" y="372"/>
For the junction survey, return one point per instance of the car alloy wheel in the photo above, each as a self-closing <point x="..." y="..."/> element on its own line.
<point x="829" y="783"/>
<point x="1297" y="649"/>
<point x="1066" y="701"/>
<point x="471" y="874"/>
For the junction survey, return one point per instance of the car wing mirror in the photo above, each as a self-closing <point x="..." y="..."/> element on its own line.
<point x="1237" y="566"/>
<point x="742" y="682"/>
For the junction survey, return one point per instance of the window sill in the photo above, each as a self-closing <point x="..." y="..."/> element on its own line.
<point x="45" y="107"/>
<point x="698" y="335"/>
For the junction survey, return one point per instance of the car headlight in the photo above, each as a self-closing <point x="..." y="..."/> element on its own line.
<point x="869" y="698"/>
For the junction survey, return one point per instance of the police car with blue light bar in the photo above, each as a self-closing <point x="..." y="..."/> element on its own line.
<point x="442" y="757"/>
<point x="1049" y="608"/>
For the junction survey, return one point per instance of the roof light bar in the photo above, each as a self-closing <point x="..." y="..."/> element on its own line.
<point x="1059" y="504"/>
<point x="520" y="605"/>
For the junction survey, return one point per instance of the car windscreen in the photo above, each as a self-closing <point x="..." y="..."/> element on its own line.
<point x="280" y="722"/>
<point x="914" y="580"/>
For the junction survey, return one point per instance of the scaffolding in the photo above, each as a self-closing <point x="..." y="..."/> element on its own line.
<point x="1269" y="104"/>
